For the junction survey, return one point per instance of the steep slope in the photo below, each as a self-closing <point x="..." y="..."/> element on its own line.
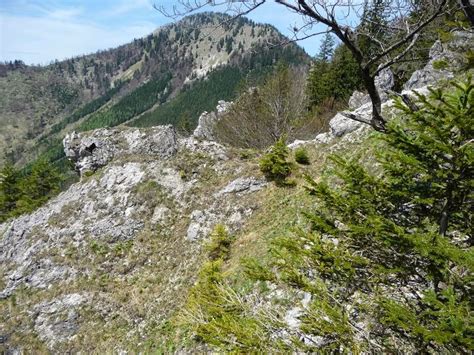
<point x="40" y="104"/>
<point x="126" y="233"/>
<point x="106" y="265"/>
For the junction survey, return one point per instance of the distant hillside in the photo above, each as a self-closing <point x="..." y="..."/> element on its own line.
<point x="170" y="76"/>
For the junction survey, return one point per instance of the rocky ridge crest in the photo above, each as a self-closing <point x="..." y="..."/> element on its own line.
<point x="139" y="185"/>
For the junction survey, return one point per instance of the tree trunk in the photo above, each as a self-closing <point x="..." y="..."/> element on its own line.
<point x="377" y="121"/>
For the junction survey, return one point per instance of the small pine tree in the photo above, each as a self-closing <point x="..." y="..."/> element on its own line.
<point x="301" y="156"/>
<point x="219" y="244"/>
<point x="275" y="164"/>
<point x="371" y="231"/>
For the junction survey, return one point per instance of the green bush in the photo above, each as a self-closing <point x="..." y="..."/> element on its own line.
<point x="301" y="156"/>
<point x="218" y="246"/>
<point x="274" y="165"/>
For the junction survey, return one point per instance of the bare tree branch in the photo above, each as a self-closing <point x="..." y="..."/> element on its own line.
<point x="391" y="40"/>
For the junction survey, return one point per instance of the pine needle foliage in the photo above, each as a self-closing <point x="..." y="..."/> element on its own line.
<point x="24" y="191"/>
<point x="391" y="250"/>
<point x="301" y="156"/>
<point x="275" y="165"/>
<point x="219" y="244"/>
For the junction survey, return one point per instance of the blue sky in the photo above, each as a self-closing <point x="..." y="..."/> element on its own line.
<point x="39" y="31"/>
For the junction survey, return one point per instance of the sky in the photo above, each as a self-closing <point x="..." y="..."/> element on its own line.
<point x="40" y="31"/>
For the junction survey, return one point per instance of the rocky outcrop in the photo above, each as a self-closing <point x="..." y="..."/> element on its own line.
<point x="384" y="82"/>
<point x="153" y="190"/>
<point x="207" y="121"/>
<point x="57" y="320"/>
<point x="92" y="150"/>
<point x="444" y="60"/>
<point x="358" y="99"/>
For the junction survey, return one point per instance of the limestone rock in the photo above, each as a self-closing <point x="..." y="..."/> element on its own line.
<point x="358" y="99"/>
<point x="57" y="321"/>
<point x="451" y="57"/>
<point x="297" y="143"/>
<point x="201" y="224"/>
<point x="384" y="81"/>
<point x="243" y="185"/>
<point x="341" y="125"/>
<point x="207" y="121"/>
<point x="91" y="150"/>
<point x="323" y="138"/>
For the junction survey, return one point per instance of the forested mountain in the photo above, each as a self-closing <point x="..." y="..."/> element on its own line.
<point x="38" y="105"/>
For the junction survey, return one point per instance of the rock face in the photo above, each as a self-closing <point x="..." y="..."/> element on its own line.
<point x="143" y="213"/>
<point x="243" y="185"/>
<point x="92" y="150"/>
<point x="207" y="121"/>
<point x="57" y="320"/>
<point x="445" y="58"/>
<point x="358" y="99"/>
<point x="383" y="81"/>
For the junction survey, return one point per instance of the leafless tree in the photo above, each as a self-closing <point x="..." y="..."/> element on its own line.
<point x="342" y="17"/>
<point x="261" y="116"/>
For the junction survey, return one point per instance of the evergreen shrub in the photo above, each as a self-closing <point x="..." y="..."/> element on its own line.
<point x="275" y="165"/>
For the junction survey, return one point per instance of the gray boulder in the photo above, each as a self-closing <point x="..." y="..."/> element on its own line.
<point x="243" y="185"/>
<point x="358" y="99"/>
<point x="341" y="125"/>
<point x="384" y="81"/>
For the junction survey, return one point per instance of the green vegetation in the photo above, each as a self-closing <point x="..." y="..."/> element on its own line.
<point x="220" y="84"/>
<point x="333" y="78"/>
<point x="260" y="116"/>
<point x="440" y="64"/>
<point x="275" y="164"/>
<point x="87" y="109"/>
<point x="23" y="192"/>
<point x="219" y="244"/>
<point x="388" y="247"/>
<point x="301" y="156"/>
<point x="185" y="108"/>
<point x="138" y="101"/>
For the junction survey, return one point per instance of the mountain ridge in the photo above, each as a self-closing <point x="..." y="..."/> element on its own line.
<point x="188" y="50"/>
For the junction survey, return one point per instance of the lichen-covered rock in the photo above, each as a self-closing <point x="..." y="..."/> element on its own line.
<point x="92" y="150"/>
<point x="208" y="120"/>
